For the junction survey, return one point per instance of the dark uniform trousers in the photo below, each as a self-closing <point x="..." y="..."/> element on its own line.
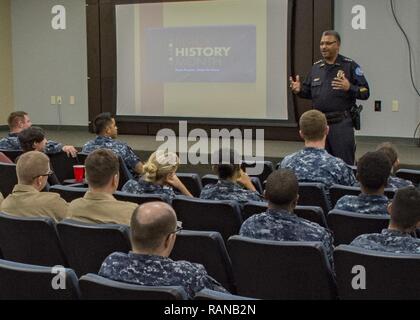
<point x="340" y="141"/>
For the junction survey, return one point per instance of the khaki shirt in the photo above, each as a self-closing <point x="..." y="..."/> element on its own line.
<point x="98" y="207"/>
<point x="1" y="199"/>
<point x="26" y="201"/>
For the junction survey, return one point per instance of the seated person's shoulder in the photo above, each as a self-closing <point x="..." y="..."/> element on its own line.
<point x="115" y="257"/>
<point x="130" y="184"/>
<point x="339" y="162"/>
<point x="52" y="196"/>
<point x="119" y="144"/>
<point x="207" y="190"/>
<point x="347" y="199"/>
<point x="127" y="204"/>
<point x="314" y="226"/>
<point x="209" y="186"/>
<point x="255" y="220"/>
<point x="183" y="266"/>
<point x="287" y="159"/>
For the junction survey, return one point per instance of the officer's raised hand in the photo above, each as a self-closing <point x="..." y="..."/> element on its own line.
<point x="295" y="85"/>
<point x="341" y="83"/>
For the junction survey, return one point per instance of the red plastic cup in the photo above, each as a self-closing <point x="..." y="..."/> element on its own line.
<point x="79" y="172"/>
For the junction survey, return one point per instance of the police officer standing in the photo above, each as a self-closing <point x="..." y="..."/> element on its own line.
<point x="334" y="84"/>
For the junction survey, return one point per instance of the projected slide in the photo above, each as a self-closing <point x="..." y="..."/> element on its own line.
<point x="201" y="54"/>
<point x="224" y="59"/>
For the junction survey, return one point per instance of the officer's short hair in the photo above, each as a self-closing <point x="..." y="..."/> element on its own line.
<point x="102" y="121"/>
<point x="29" y="136"/>
<point x="389" y="150"/>
<point x="15" y="117"/>
<point x="151" y="223"/>
<point x="373" y="170"/>
<point x="101" y="165"/>
<point x="282" y="187"/>
<point x="405" y="207"/>
<point x="313" y="124"/>
<point x="226" y="162"/>
<point x="31" y="165"/>
<point x="160" y="164"/>
<point x="332" y="33"/>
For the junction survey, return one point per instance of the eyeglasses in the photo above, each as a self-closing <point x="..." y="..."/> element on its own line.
<point x="327" y="43"/>
<point x="49" y="173"/>
<point x="178" y="227"/>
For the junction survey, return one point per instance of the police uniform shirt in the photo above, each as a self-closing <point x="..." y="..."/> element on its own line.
<point x="364" y="203"/>
<point x="317" y="165"/>
<point x="118" y="147"/>
<point x="144" y="187"/>
<point x="393" y="241"/>
<point x="151" y="270"/>
<point x="229" y="190"/>
<point x="98" y="207"/>
<point x="26" y="201"/>
<point x="11" y="142"/>
<point x="398" y="183"/>
<point x="281" y="225"/>
<point x="317" y="85"/>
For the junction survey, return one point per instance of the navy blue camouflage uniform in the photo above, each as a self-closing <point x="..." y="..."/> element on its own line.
<point x="364" y="203"/>
<point x="11" y="142"/>
<point x="317" y="86"/>
<point x="398" y="183"/>
<point x="144" y="187"/>
<point x="118" y="147"/>
<point x="281" y="225"/>
<point x="150" y="270"/>
<point x="393" y="241"/>
<point x="229" y="190"/>
<point x="395" y="183"/>
<point x="317" y="165"/>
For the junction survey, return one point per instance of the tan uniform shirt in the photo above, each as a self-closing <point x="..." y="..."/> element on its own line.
<point x="26" y="201"/>
<point x="100" y="207"/>
<point x="1" y="199"/>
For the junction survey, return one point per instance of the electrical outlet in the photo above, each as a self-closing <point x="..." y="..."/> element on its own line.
<point x="53" y="100"/>
<point x="378" y="106"/>
<point x="59" y="100"/>
<point x="395" y="106"/>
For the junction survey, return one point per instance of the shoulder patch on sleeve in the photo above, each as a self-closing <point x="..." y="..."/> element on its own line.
<point x="359" y="71"/>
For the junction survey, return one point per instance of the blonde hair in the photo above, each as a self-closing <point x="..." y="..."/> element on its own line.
<point x="313" y="124"/>
<point x="30" y="165"/>
<point x="160" y="164"/>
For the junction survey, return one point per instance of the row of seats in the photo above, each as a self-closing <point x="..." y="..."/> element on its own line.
<point x="261" y="270"/>
<point x="63" y="168"/>
<point x="226" y="217"/>
<point x="61" y="164"/>
<point x="311" y="193"/>
<point x="20" y="281"/>
<point x="83" y="247"/>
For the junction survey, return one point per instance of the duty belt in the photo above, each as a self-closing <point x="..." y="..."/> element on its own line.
<point x="337" y="116"/>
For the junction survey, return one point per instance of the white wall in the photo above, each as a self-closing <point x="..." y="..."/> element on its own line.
<point x="383" y="54"/>
<point x="49" y="62"/>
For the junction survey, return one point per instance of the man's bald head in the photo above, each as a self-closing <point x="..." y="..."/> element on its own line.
<point x="151" y="222"/>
